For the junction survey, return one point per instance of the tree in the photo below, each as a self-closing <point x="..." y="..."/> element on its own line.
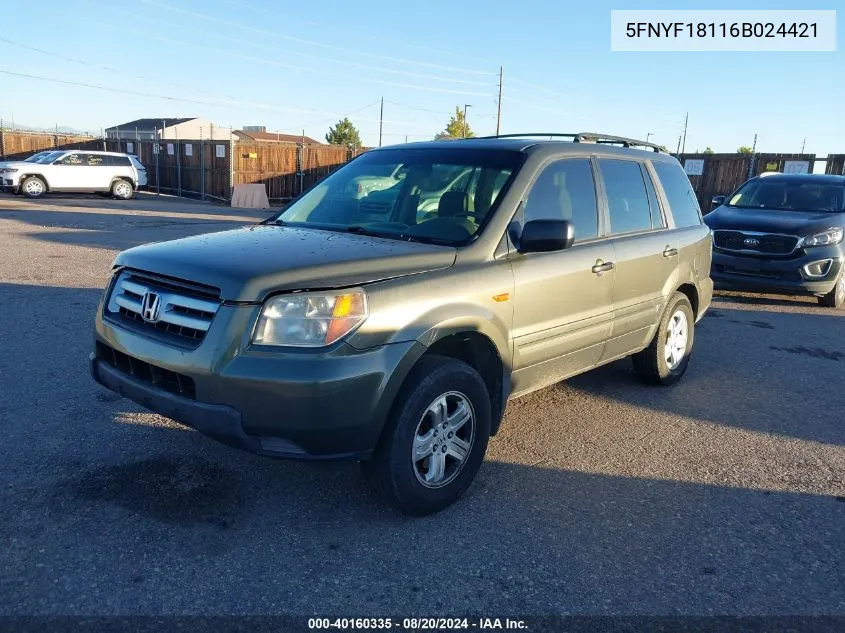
<point x="744" y="150"/>
<point x="708" y="150"/>
<point x="456" y="128"/>
<point x="344" y="133"/>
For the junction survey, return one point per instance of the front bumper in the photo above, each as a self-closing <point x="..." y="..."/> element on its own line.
<point x="784" y="275"/>
<point x="299" y="404"/>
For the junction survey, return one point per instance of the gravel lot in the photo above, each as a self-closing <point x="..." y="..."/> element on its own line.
<point x="724" y="494"/>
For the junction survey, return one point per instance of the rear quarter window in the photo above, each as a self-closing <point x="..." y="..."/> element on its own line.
<point x="679" y="192"/>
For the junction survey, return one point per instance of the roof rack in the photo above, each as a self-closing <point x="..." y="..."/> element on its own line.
<point x="585" y="137"/>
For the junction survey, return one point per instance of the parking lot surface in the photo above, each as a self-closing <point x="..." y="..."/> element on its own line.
<point x="724" y="494"/>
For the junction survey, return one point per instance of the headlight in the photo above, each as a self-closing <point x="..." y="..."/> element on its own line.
<point x="310" y="319"/>
<point x="831" y="236"/>
<point x="7" y="170"/>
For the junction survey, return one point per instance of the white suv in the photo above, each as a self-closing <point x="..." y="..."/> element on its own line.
<point x="76" y="171"/>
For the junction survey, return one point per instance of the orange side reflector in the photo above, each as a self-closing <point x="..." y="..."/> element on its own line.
<point x="502" y="297"/>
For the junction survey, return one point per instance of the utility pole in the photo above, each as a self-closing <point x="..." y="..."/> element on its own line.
<point x="647" y="136"/>
<point x="684" y="146"/>
<point x="679" y="145"/>
<point x="464" y="132"/>
<point x="753" y="161"/>
<point x="499" y="112"/>
<point x="380" y="121"/>
<point x="803" y="144"/>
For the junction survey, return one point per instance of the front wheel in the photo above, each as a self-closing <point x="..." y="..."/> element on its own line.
<point x="666" y="358"/>
<point x="434" y="443"/>
<point x="33" y="187"/>
<point x="836" y="297"/>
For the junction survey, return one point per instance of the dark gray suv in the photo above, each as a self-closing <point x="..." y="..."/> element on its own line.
<point x="782" y="233"/>
<point x="392" y="327"/>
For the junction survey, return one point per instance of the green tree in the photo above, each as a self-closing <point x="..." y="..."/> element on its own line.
<point x="708" y="150"/>
<point x="744" y="150"/>
<point x="344" y="133"/>
<point x="456" y="128"/>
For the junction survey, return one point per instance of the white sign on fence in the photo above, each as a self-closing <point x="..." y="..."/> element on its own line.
<point x="170" y="149"/>
<point x="796" y="167"/>
<point x="694" y="166"/>
<point x="189" y="150"/>
<point x="130" y="148"/>
<point x="220" y="151"/>
<point x="156" y="148"/>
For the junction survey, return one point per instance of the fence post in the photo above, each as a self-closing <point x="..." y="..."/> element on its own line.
<point x="231" y="166"/>
<point x="751" y="162"/>
<point x="202" y="166"/>
<point x="178" y="164"/>
<point x="2" y="140"/>
<point x="157" y="150"/>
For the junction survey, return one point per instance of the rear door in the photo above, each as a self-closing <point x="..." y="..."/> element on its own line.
<point x="562" y="300"/>
<point x="645" y="251"/>
<point x="101" y="168"/>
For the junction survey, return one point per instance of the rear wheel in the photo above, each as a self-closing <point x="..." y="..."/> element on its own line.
<point x="33" y="187"/>
<point x="666" y="358"/>
<point x="836" y="297"/>
<point x="434" y="443"/>
<point x="122" y="189"/>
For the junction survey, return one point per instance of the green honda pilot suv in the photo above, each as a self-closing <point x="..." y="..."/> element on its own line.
<point x="392" y="328"/>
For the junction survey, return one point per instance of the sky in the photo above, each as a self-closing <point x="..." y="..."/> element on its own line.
<point x="298" y="65"/>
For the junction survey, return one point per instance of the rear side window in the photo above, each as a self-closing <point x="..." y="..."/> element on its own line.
<point x="119" y="161"/>
<point x="627" y="199"/>
<point x="679" y="192"/>
<point x="565" y="190"/>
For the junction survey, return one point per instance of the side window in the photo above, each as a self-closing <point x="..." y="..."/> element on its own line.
<point x="682" y="200"/>
<point x="627" y="199"/>
<point x="71" y="159"/>
<point x="119" y="161"/>
<point x="565" y="190"/>
<point x="656" y="217"/>
<point x="94" y="160"/>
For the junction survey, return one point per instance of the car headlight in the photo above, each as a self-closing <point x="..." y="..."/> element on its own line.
<point x="310" y="319"/>
<point x="831" y="236"/>
<point x="7" y="170"/>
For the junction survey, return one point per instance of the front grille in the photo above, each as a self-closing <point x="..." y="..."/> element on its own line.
<point x="183" y="313"/>
<point x="749" y="242"/>
<point x="178" y="384"/>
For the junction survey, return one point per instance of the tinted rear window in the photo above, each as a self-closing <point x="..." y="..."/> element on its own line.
<point x="682" y="200"/>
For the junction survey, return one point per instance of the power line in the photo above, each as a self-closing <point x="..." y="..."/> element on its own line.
<point x="122" y="72"/>
<point x="271" y="62"/>
<point x="313" y="42"/>
<point x="324" y="25"/>
<point x="335" y="60"/>
<point x="247" y="104"/>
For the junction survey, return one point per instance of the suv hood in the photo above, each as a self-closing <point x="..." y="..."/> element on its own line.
<point x="16" y="163"/>
<point x="772" y="220"/>
<point x="249" y="263"/>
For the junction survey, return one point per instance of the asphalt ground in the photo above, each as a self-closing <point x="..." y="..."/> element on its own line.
<point x="724" y="494"/>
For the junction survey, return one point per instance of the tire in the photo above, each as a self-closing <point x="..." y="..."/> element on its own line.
<point x="655" y="364"/>
<point x="122" y="189"/>
<point x="836" y="297"/>
<point x="421" y="487"/>
<point x="33" y="187"/>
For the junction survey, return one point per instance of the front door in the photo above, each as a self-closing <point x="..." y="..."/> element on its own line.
<point x="69" y="172"/>
<point x="562" y="300"/>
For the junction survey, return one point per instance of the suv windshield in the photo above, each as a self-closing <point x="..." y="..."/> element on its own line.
<point x="443" y="196"/>
<point x="47" y="158"/>
<point x="790" y="195"/>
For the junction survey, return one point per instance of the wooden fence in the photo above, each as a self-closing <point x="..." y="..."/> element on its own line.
<point x="203" y="169"/>
<point x="19" y="145"/>
<point x="722" y="174"/>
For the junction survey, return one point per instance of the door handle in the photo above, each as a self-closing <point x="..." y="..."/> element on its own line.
<point x="670" y="252"/>
<point x="602" y="267"/>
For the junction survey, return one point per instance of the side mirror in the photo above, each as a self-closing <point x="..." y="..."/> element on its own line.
<point x="719" y="200"/>
<point x="543" y="236"/>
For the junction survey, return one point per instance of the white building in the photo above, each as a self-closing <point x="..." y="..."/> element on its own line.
<point x="168" y="128"/>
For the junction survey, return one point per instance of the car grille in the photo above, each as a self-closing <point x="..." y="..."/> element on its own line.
<point x="184" y="313"/>
<point x="156" y="376"/>
<point x="766" y="243"/>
